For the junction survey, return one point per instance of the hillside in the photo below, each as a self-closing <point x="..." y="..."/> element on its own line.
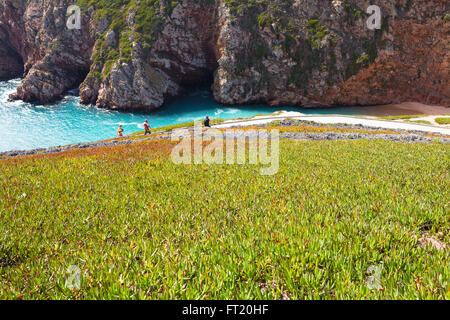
<point x="139" y="226"/>
<point x="136" y="54"/>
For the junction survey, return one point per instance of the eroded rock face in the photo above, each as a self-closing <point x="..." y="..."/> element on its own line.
<point x="413" y="66"/>
<point x="11" y="65"/>
<point x="321" y="53"/>
<point x="182" y="54"/>
<point x="297" y="52"/>
<point x="55" y="59"/>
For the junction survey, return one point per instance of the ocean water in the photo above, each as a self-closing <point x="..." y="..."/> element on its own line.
<point x="26" y="126"/>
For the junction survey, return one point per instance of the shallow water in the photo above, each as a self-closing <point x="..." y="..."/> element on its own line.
<point x="27" y="126"/>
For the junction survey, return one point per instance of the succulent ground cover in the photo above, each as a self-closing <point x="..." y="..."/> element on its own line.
<point x="443" y="120"/>
<point x="141" y="227"/>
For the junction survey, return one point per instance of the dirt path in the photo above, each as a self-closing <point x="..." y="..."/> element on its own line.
<point x="385" y="124"/>
<point x="408" y="132"/>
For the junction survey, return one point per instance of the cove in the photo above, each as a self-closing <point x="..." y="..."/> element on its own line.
<point x="26" y="126"/>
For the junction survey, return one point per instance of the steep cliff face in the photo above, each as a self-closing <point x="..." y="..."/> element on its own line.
<point x="137" y="54"/>
<point x="11" y="65"/>
<point x="322" y="53"/>
<point x="159" y="50"/>
<point x="55" y="59"/>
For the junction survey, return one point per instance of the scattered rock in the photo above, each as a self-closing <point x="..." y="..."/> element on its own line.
<point x="273" y="286"/>
<point x="429" y="240"/>
<point x="110" y="39"/>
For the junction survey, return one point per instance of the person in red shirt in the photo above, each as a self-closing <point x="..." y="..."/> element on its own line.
<point x="120" y="131"/>
<point x="147" y="128"/>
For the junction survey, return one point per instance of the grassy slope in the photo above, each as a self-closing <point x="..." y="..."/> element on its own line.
<point x="439" y="120"/>
<point x="407" y="117"/>
<point x="443" y="120"/>
<point x="139" y="226"/>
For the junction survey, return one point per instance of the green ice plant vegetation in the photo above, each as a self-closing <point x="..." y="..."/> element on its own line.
<point x="140" y="227"/>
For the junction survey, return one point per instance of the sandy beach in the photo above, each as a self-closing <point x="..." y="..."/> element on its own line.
<point x="401" y="109"/>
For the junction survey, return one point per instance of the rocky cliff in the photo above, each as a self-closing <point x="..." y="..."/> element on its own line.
<point x="136" y="54"/>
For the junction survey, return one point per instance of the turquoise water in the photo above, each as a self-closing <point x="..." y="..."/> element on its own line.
<point x="27" y="126"/>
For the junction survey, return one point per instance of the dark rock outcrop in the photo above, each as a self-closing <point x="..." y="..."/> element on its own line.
<point x="11" y="65"/>
<point x="137" y="54"/>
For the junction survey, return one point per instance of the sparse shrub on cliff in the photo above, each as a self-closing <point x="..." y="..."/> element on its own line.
<point x="264" y="20"/>
<point x="147" y="19"/>
<point x="147" y="22"/>
<point x="318" y="34"/>
<point x="363" y="59"/>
